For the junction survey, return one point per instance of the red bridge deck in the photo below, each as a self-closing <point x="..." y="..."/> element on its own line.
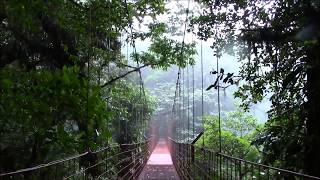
<point x="160" y="166"/>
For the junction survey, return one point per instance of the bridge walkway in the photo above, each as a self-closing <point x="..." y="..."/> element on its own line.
<point x="159" y="165"/>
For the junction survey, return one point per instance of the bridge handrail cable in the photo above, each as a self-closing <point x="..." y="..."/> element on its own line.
<point x="177" y="155"/>
<point x="142" y="149"/>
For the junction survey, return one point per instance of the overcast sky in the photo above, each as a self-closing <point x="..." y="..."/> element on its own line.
<point x="229" y="63"/>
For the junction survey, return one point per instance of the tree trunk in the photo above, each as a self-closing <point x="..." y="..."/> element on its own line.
<point x="312" y="141"/>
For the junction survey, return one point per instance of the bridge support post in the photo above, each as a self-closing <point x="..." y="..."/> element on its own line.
<point x="192" y="154"/>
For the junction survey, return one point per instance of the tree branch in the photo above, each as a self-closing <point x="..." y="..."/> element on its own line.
<point x="123" y="75"/>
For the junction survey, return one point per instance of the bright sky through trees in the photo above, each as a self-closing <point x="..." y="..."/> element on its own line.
<point x="176" y="9"/>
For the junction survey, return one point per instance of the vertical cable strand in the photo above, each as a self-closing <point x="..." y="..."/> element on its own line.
<point x="193" y="130"/>
<point x="202" y="104"/>
<point x="219" y="113"/>
<point x="188" y="104"/>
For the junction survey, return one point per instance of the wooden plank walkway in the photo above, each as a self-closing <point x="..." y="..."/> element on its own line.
<point x="159" y="165"/>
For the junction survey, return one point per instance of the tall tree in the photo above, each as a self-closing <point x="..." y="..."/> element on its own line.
<point x="278" y="44"/>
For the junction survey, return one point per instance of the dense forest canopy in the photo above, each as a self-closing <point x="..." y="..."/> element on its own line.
<point x="65" y="86"/>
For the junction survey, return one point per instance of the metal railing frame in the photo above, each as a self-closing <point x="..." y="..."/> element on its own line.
<point x="192" y="162"/>
<point x="105" y="163"/>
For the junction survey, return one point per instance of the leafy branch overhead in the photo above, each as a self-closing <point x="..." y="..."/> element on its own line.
<point x="228" y="78"/>
<point x="164" y="52"/>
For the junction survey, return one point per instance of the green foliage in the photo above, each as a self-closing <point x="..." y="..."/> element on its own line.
<point x="55" y="57"/>
<point x="237" y="132"/>
<point x="164" y="52"/>
<point x="45" y="113"/>
<point x="239" y="123"/>
<point x="131" y="112"/>
<point x="282" y="136"/>
<point x="278" y="45"/>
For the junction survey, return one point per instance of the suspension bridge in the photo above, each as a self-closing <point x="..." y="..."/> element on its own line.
<point x="174" y="155"/>
<point x="153" y="159"/>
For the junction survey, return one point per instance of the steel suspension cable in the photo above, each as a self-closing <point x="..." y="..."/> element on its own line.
<point x="219" y="110"/>
<point x="202" y="104"/>
<point x="184" y="34"/>
<point x="183" y="103"/>
<point x="178" y="92"/>
<point x="193" y="110"/>
<point x="188" y="103"/>
<point x="174" y="107"/>
<point x="180" y="63"/>
<point x="219" y="114"/>
<point x="176" y="104"/>
<point x="139" y="70"/>
<point x="180" y="108"/>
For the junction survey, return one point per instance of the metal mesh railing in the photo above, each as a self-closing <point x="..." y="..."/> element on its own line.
<point x="124" y="161"/>
<point x="194" y="162"/>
